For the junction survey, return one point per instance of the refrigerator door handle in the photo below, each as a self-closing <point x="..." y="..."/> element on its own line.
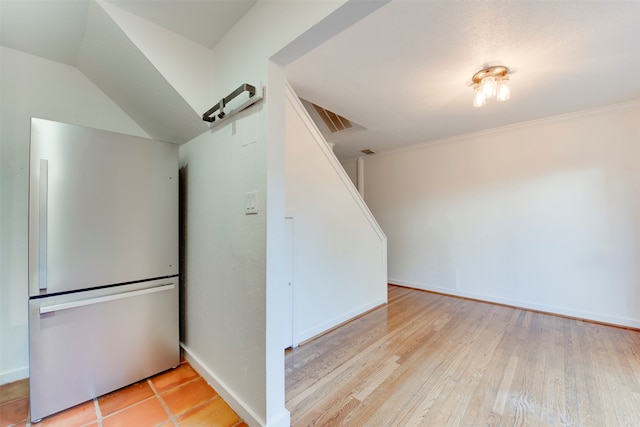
<point x="43" y="193"/>
<point x="98" y="300"/>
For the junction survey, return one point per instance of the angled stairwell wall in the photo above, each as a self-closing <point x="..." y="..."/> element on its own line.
<point x="339" y="250"/>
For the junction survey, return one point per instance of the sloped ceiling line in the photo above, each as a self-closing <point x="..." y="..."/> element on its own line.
<point x="48" y="29"/>
<point x="116" y="65"/>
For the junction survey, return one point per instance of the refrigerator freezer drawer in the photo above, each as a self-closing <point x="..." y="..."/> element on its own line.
<point x="86" y="344"/>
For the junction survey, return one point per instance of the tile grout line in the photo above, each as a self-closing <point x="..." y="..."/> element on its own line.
<point x="126" y="407"/>
<point x="174" y="418"/>
<point x="100" y="418"/>
<point x="98" y="411"/>
<point x="162" y="402"/>
<point x="200" y="406"/>
<point x="193" y="408"/>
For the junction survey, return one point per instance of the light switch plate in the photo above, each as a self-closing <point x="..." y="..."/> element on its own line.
<point x="252" y="206"/>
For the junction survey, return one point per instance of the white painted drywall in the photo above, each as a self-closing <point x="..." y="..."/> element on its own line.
<point x="185" y="64"/>
<point x="225" y="273"/>
<point x="34" y="87"/>
<point x="339" y="250"/>
<point x="252" y="383"/>
<point x="350" y="166"/>
<point x="241" y="57"/>
<point x="278" y="266"/>
<point x="544" y="215"/>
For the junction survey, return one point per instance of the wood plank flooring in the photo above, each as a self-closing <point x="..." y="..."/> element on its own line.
<point x="432" y="360"/>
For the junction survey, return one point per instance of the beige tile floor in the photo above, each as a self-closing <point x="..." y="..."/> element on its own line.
<point x="178" y="397"/>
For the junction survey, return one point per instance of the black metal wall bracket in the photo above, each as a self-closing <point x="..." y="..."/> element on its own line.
<point x="210" y="117"/>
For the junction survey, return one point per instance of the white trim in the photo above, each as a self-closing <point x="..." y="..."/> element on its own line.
<point x="584" y="315"/>
<point x="360" y="175"/>
<point x="353" y="191"/>
<point x="522" y="125"/>
<point x="15" y="375"/>
<point x="223" y="390"/>
<point x="332" y="159"/>
<point x="326" y="326"/>
<point x="282" y="420"/>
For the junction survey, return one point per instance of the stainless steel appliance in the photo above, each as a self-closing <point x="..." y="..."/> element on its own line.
<point x="103" y="262"/>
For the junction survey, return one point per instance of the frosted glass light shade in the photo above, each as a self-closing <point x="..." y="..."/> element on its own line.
<point x="504" y="92"/>
<point x="490" y="82"/>
<point x="478" y="98"/>
<point x="489" y="86"/>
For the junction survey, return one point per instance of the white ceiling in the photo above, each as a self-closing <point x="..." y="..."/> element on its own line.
<point x="404" y="71"/>
<point x="79" y="33"/>
<point x="204" y="22"/>
<point x="49" y="29"/>
<point x="54" y="29"/>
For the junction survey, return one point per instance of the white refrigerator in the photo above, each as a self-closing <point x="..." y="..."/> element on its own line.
<point x="103" y="262"/>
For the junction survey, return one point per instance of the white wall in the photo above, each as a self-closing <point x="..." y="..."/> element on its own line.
<point x="185" y="64"/>
<point x="234" y="262"/>
<point x="253" y="380"/>
<point x="339" y="251"/>
<point x="544" y="215"/>
<point x="350" y="166"/>
<point x="34" y="87"/>
<point x="225" y="271"/>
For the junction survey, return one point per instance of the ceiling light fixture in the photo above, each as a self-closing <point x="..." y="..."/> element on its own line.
<point x="490" y="82"/>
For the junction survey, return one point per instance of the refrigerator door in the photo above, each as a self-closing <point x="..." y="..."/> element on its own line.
<point x="103" y="208"/>
<point x="86" y="344"/>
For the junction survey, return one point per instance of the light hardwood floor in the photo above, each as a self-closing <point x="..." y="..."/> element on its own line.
<point x="433" y="360"/>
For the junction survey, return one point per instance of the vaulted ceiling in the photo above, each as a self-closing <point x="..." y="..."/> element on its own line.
<point x="81" y="33"/>
<point x="403" y="72"/>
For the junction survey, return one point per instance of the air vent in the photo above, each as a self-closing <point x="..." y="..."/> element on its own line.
<point x="334" y="122"/>
<point x="369" y="151"/>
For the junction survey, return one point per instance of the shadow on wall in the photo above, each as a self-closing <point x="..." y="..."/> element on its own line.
<point x="182" y="246"/>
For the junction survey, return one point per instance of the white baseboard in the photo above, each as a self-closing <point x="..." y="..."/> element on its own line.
<point x="282" y="420"/>
<point x="223" y="390"/>
<point x="596" y="317"/>
<point x="330" y="324"/>
<point x="15" y="375"/>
